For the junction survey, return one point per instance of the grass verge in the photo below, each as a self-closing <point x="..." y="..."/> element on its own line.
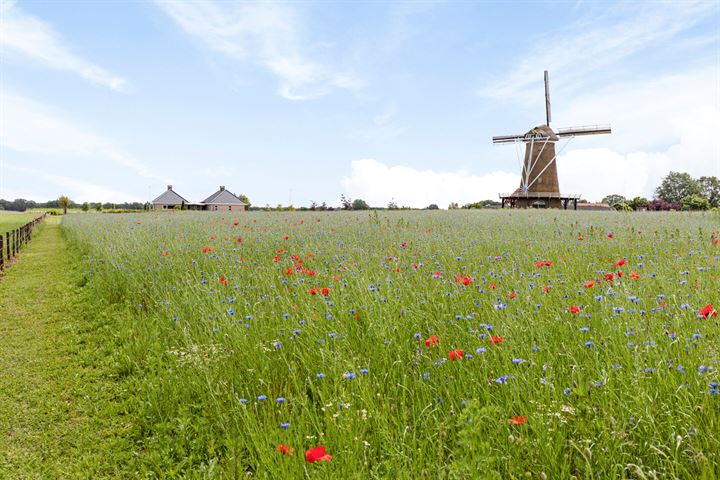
<point x="62" y="414"/>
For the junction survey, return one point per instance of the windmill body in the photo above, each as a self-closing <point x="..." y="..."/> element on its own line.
<point x="539" y="185"/>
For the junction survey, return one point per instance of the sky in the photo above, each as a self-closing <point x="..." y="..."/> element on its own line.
<point x="295" y="102"/>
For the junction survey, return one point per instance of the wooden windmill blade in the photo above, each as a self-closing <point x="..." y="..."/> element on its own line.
<point x="547" y="99"/>
<point x="508" y="138"/>
<point x="586" y="130"/>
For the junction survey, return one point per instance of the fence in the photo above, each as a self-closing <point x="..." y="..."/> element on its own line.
<point x="14" y="240"/>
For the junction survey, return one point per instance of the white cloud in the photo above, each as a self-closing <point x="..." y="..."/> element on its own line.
<point x="31" y="127"/>
<point x="77" y="189"/>
<point x="584" y="52"/>
<point x="378" y="184"/>
<point x="29" y="36"/>
<point x="266" y="33"/>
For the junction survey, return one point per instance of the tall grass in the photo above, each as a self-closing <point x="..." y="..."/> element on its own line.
<point x="222" y="372"/>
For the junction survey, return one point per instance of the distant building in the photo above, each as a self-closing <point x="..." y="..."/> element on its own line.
<point x="221" y="201"/>
<point x="593" y="206"/>
<point x="169" y="199"/>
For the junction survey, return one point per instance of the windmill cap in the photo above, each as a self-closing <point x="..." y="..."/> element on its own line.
<point x="543" y="131"/>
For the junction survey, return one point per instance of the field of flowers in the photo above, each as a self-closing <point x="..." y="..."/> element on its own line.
<point x="460" y="344"/>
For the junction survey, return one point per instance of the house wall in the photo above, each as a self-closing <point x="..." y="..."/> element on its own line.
<point x="225" y="208"/>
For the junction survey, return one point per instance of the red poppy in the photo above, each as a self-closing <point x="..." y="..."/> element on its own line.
<point x="276" y="258"/>
<point x="609" y="277"/>
<point x="547" y="289"/>
<point x="437" y="275"/>
<point x="165" y="254"/>
<point x="310" y="273"/>
<point x="619" y="273"/>
<point x="285" y="237"/>
<point x="433" y="340"/>
<point x="281" y="250"/>
<point x="708" y="311"/>
<point x="456" y="354"/>
<point x="580" y="238"/>
<point x="464" y="279"/>
<point x="313" y="291"/>
<point x="336" y="278"/>
<point x="610" y="235"/>
<point x="236" y="223"/>
<point x="289" y="271"/>
<point x="620" y="262"/>
<point x="285" y="449"/>
<point x="715" y="242"/>
<point x="634" y="274"/>
<point x="403" y="244"/>
<point x="239" y="240"/>
<point x="212" y="238"/>
<point x="518" y="420"/>
<point x="316" y="454"/>
<point x="574" y="309"/>
<point x="512" y="295"/>
<point x="589" y="284"/>
<point x="207" y="250"/>
<point x="223" y="280"/>
<point x="492" y="286"/>
<point x="325" y="292"/>
<point x="494" y="340"/>
<point x="546" y="263"/>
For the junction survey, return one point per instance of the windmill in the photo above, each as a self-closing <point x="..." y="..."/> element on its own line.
<point x="539" y="185"/>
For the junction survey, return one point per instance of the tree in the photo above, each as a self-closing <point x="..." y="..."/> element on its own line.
<point x="710" y="187"/>
<point x="64" y="203"/>
<point x="245" y="200"/>
<point x="85" y="207"/>
<point x="638" y="202"/>
<point x="432" y="206"/>
<point x="393" y="206"/>
<point x="98" y="207"/>
<point x="662" y="205"/>
<point x="676" y="186"/>
<point x="453" y="206"/>
<point x="346" y="203"/>
<point x="360" y="204"/>
<point x="695" y="202"/>
<point x="614" y="199"/>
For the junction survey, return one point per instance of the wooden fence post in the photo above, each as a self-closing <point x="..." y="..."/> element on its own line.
<point x="7" y="244"/>
<point x="2" y="254"/>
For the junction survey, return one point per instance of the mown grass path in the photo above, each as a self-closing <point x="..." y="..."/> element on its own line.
<point x="60" y="410"/>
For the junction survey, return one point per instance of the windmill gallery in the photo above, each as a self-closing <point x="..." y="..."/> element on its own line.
<point x="539" y="186"/>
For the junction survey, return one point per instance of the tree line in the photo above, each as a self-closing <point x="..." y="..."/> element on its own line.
<point x="677" y="191"/>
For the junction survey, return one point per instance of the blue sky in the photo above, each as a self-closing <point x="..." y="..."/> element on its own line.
<point x="304" y="101"/>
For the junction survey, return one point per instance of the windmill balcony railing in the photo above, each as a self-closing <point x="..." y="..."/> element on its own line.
<point x="538" y="195"/>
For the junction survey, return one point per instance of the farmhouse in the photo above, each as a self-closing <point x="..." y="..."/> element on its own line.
<point x="221" y="201"/>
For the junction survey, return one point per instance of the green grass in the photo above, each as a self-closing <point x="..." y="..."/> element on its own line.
<point x="621" y="390"/>
<point x="10" y="221"/>
<point x="61" y="413"/>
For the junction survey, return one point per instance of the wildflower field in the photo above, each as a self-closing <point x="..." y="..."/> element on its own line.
<point x="447" y="344"/>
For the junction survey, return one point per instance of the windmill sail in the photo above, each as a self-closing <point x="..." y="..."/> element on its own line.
<point x="586" y="130"/>
<point x="547" y="99"/>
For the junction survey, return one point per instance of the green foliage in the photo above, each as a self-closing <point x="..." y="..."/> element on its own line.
<point x="245" y="200"/>
<point x="453" y="206"/>
<point x="85" y="207"/>
<point x="614" y="199"/>
<point x="710" y="187"/>
<point x="481" y="204"/>
<point x="676" y="186"/>
<point x="432" y="206"/>
<point x="695" y="202"/>
<point x="639" y="202"/>
<point x="360" y="204"/>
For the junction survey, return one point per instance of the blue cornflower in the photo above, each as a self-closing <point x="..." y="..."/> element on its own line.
<point x="363" y="371"/>
<point x="480" y="350"/>
<point x="567" y="391"/>
<point x="502" y="380"/>
<point x="417" y="335"/>
<point x="589" y="344"/>
<point x="285" y="425"/>
<point x="231" y="311"/>
<point x="320" y="375"/>
<point x="280" y="400"/>
<point x="349" y="375"/>
<point x="517" y="360"/>
<point x="262" y="397"/>
<point x="243" y="400"/>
